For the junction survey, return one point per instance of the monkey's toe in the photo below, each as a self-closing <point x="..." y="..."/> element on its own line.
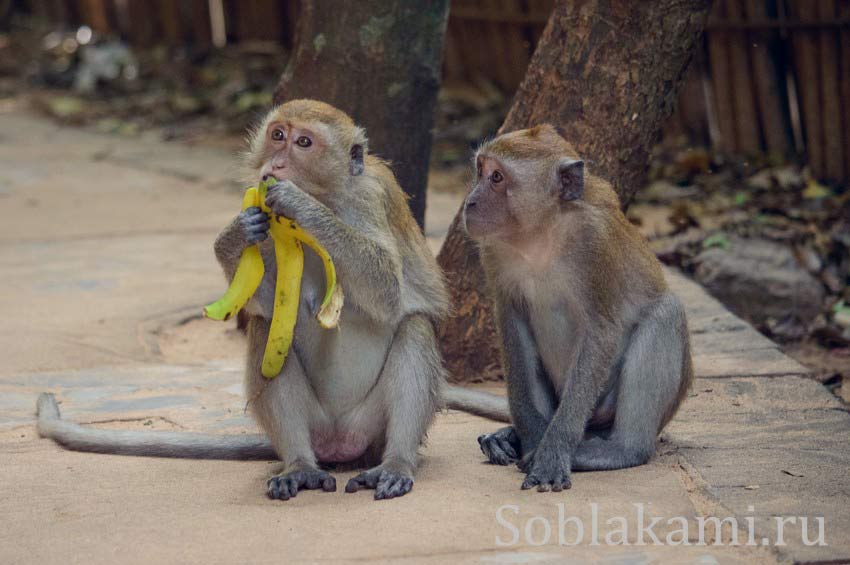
<point x="366" y="479"/>
<point x="392" y="485"/>
<point x="500" y="447"/>
<point x="555" y="483"/>
<point x="387" y="484"/>
<point x="287" y="485"/>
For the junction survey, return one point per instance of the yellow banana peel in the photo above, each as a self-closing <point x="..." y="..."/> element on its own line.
<point x="288" y="237"/>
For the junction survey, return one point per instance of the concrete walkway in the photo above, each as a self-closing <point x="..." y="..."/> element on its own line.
<point x="105" y="250"/>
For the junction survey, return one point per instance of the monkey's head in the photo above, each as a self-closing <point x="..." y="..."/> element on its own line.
<point x="309" y="143"/>
<point x="523" y="180"/>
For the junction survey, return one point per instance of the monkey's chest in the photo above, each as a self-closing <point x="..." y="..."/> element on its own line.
<point x="555" y="336"/>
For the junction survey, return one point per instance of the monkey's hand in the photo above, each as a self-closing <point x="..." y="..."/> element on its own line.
<point x="286" y="199"/>
<point x="253" y="225"/>
<point x="547" y="469"/>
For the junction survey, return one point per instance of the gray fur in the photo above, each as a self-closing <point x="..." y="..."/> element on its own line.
<point x="595" y="348"/>
<point x="150" y="444"/>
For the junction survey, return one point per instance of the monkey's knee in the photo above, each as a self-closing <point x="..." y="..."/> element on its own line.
<point x="502" y="447"/>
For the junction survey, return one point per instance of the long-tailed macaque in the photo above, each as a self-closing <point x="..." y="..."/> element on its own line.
<point x="595" y="346"/>
<point x="364" y="393"/>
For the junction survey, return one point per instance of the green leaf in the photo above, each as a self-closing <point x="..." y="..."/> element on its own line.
<point x="841" y="314"/>
<point x="742" y="198"/>
<point x="720" y="240"/>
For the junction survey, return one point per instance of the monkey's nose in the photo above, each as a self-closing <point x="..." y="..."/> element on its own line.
<point x="470" y="204"/>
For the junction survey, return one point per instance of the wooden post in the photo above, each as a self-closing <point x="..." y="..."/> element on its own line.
<point x="721" y="79"/>
<point x="747" y="129"/>
<point x="830" y="110"/>
<point x="770" y="85"/>
<point x="844" y="12"/>
<point x="806" y="63"/>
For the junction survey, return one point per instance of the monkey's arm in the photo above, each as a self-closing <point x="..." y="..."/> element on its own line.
<point x="550" y="465"/>
<point x="525" y="383"/>
<point x="366" y="258"/>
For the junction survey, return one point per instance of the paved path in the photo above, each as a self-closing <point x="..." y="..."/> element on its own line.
<point x="105" y="250"/>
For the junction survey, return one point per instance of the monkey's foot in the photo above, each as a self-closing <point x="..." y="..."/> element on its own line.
<point x="287" y="485"/>
<point x="387" y="483"/>
<point x="501" y="447"/>
<point x="547" y="472"/>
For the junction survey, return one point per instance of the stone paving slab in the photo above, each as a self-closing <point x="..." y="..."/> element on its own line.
<point x="772" y="447"/>
<point x="100" y="302"/>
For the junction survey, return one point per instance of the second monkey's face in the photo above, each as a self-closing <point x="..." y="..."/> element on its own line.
<point x="486" y="211"/>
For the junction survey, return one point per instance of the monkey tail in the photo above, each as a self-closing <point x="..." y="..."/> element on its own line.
<point x="150" y="444"/>
<point x="476" y="402"/>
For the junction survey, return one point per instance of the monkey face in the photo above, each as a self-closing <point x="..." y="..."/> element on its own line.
<point x="309" y="143"/>
<point x="486" y="210"/>
<point x="291" y="151"/>
<point x="524" y="180"/>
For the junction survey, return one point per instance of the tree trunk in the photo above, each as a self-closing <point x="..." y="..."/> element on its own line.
<point x="379" y="61"/>
<point x="607" y="72"/>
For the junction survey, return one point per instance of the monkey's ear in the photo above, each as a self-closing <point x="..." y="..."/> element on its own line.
<point x="356" y="166"/>
<point x="571" y="179"/>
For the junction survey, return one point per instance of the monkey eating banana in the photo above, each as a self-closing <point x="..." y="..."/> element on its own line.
<point x="363" y="394"/>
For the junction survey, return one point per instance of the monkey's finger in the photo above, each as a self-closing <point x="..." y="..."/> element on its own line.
<point x="393" y="487"/>
<point x="544" y="487"/>
<point x="279" y="489"/>
<point x="315" y="479"/>
<point x="484" y="444"/>
<point x="508" y="449"/>
<point x="257" y="237"/>
<point x="497" y="455"/>
<point x="254" y="222"/>
<point x="352" y="486"/>
<point x="329" y="484"/>
<point x="367" y="479"/>
<point x="257" y="228"/>
<point x="289" y="488"/>
<point x="490" y="448"/>
<point x="529" y="482"/>
<point x="252" y="219"/>
<point x="273" y="489"/>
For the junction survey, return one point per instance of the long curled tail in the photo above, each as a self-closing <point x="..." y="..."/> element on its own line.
<point x="148" y="443"/>
<point x="476" y="402"/>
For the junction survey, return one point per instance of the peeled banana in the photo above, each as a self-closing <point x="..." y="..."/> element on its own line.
<point x="288" y="237"/>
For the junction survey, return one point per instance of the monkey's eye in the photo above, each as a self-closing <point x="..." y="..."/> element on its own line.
<point x="277" y="135"/>
<point x="496" y="177"/>
<point x="304" y="141"/>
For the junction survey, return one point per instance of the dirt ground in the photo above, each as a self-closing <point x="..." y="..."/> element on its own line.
<point x="105" y="248"/>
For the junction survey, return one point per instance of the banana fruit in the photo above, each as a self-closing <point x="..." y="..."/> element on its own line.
<point x="288" y="238"/>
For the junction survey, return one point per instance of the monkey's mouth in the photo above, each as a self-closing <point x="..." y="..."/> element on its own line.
<point x="270" y="176"/>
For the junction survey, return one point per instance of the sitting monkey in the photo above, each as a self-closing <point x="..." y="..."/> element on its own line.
<point x="595" y="346"/>
<point x="364" y="393"/>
